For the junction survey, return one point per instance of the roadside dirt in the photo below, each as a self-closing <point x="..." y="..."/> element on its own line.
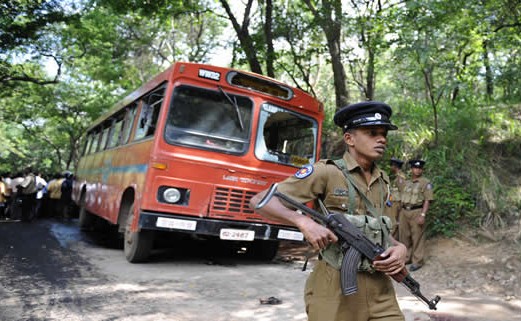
<point x="477" y="279"/>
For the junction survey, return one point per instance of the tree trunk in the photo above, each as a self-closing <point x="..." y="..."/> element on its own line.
<point x="244" y="36"/>
<point x="427" y="75"/>
<point x="488" y="72"/>
<point x="332" y="31"/>
<point x="369" y="95"/>
<point x="268" y="33"/>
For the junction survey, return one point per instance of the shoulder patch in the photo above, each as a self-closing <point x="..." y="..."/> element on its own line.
<point x="304" y="171"/>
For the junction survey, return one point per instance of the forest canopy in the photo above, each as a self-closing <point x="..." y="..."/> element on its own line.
<point x="450" y="70"/>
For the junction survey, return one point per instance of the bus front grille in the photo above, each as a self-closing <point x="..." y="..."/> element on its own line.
<point x="231" y="203"/>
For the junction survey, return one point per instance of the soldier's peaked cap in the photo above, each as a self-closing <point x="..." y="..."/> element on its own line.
<point x="367" y="113"/>
<point x="396" y="161"/>
<point x="417" y="163"/>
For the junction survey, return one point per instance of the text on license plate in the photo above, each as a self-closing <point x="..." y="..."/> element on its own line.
<point x="290" y="235"/>
<point x="236" y="235"/>
<point x="176" y="223"/>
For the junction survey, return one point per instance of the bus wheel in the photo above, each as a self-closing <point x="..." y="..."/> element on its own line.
<point x="86" y="218"/>
<point x="265" y="250"/>
<point x="137" y="245"/>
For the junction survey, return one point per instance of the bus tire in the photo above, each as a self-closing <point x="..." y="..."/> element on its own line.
<point x="85" y="218"/>
<point x="137" y="245"/>
<point x="265" y="250"/>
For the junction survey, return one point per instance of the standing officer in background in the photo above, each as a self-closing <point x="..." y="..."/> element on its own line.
<point x="395" y="201"/>
<point x="352" y="185"/>
<point x="416" y="198"/>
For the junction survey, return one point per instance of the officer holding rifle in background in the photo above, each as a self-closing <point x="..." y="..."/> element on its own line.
<point x="352" y="185"/>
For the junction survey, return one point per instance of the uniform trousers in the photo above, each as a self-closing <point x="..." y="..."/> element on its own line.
<point x="374" y="300"/>
<point x="412" y="235"/>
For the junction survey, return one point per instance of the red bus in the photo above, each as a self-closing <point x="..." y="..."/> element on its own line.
<point x="186" y="151"/>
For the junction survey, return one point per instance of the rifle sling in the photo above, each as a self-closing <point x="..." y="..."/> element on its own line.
<point x="352" y="187"/>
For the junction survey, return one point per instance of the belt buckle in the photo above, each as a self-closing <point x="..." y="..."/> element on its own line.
<point x="408" y="207"/>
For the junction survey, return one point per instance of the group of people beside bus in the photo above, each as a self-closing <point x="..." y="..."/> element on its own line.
<point x="27" y="195"/>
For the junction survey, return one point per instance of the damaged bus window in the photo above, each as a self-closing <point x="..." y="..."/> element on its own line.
<point x="285" y="137"/>
<point x="209" y="119"/>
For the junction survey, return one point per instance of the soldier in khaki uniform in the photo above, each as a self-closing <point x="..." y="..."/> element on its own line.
<point x="397" y="178"/>
<point x="416" y="198"/>
<point x="363" y="187"/>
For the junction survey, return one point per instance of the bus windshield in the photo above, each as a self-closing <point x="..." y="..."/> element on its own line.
<point x="285" y="137"/>
<point x="209" y="119"/>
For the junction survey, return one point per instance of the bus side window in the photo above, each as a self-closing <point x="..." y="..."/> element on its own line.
<point x="115" y="133"/>
<point x="86" y="145"/>
<point x="104" y="137"/>
<point x="129" y="123"/>
<point x="95" y="141"/>
<point x="156" y="107"/>
<point x="150" y="109"/>
<point x="88" y="141"/>
<point x="143" y="122"/>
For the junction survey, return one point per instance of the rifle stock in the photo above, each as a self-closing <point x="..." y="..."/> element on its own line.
<point x="355" y="244"/>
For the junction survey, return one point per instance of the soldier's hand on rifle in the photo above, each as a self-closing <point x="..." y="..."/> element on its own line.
<point x="316" y="234"/>
<point x="393" y="259"/>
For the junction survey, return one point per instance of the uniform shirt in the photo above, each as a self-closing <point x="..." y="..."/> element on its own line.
<point x="326" y="181"/>
<point x="417" y="191"/>
<point x="397" y="185"/>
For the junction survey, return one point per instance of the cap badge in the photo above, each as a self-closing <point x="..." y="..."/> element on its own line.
<point x="377" y="116"/>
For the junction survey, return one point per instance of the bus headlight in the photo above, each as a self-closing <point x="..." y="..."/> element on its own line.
<point x="171" y="195"/>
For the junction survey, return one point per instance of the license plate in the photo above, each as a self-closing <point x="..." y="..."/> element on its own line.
<point x="290" y="235"/>
<point x="236" y="235"/>
<point x="176" y="223"/>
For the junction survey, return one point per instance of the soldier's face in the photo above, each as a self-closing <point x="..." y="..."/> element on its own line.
<point x="367" y="142"/>
<point x="417" y="171"/>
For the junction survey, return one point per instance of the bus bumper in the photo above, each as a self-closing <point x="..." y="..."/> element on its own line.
<point x="231" y="230"/>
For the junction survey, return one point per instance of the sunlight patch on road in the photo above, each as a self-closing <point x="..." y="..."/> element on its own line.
<point x="476" y="308"/>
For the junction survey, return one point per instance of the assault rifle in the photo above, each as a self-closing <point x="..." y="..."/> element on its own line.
<point x="354" y="244"/>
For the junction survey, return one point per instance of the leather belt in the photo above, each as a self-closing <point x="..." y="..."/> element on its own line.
<point x="412" y="207"/>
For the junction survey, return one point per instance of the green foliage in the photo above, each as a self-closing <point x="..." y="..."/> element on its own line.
<point x="468" y="190"/>
<point x="449" y="69"/>
<point x="452" y="207"/>
<point x="24" y="34"/>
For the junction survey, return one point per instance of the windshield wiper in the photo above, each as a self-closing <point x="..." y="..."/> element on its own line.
<point x="234" y="104"/>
